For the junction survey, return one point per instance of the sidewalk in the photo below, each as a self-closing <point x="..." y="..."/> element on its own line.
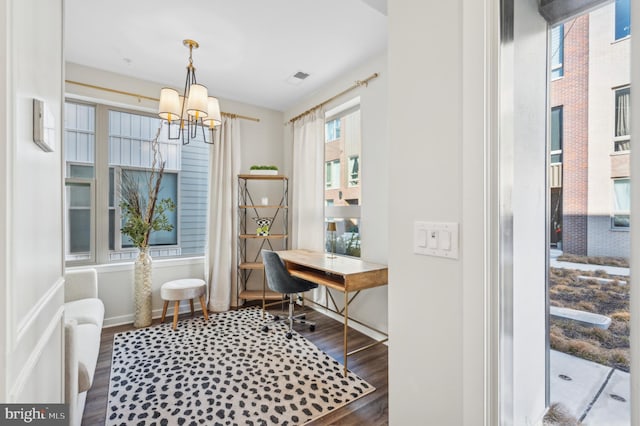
<point x="595" y="394"/>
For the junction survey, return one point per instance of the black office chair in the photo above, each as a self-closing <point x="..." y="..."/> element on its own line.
<point x="280" y="280"/>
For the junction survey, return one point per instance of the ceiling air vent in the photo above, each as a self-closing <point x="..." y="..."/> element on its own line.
<point x="297" y="78"/>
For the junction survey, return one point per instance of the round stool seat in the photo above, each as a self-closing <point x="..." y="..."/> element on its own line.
<point x="183" y="289"/>
<point x="177" y="290"/>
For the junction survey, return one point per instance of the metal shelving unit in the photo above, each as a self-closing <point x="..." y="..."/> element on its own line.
<point x="250" y="244"/>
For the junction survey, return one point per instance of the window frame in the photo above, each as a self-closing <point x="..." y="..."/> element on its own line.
<point x="560" y="66"/>
<point x="344" y="213"/>
<point x="553" y="152"/>
<point x="336" y="130"/>
<point x="614" y="212"/>
<point x="332" y="183"/>
<point x="91" y="259"/>
<point x="615" y="22"/>
<point x="623" y="139"/>
<point x="101" y="253"/>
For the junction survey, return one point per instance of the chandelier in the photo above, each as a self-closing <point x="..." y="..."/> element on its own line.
<point x="193" y="109"/>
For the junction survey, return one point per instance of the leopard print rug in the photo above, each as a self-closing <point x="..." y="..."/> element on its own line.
<point x="224" y="372"/>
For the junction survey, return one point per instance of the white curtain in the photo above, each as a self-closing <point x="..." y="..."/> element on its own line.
<point x="308" y="182"/>
<point x="221" y="253"/>
<point x="307" y="208"/>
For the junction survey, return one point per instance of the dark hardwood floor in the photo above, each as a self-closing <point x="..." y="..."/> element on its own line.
<point x="371" y="365"/>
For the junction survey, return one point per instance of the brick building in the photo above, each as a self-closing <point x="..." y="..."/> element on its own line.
<point x="590" y="141"/>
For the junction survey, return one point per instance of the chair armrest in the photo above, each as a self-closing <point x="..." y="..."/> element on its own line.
<point x="71" y="365"/>
<point x="80" y="284"/>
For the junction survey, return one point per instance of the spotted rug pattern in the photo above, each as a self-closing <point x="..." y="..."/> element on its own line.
<point x="224" y="372"/>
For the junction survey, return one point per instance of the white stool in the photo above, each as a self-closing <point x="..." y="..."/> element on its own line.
<point x="178" y="290"/>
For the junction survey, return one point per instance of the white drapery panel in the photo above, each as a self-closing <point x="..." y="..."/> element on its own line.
<point x="307" y="229"/>
<point x="308" y="182"/>
<point x="221" y="253"/>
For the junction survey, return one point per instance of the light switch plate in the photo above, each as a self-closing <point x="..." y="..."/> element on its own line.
<point x="442" y="239"/>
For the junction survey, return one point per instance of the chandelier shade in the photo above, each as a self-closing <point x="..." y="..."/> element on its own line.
<point x="197" y="103"/>
<point x="169" y="108"/>
<point x="192" y="109"/>
<point x="213" y="113"/>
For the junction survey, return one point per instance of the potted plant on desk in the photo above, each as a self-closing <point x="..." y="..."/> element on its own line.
<point x="263" y="170"/>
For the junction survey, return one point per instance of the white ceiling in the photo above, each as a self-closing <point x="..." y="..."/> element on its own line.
<point x="248" y="48"/>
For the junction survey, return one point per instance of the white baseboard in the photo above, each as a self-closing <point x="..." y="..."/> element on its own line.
<point x="155" y="314"/>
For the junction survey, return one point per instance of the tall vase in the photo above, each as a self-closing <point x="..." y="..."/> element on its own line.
<point x="142" y="286"/>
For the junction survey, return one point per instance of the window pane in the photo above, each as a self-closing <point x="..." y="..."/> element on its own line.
<point x="622" y="195"/>
<point x="557" y="51"/>
<point x="79" y="231"/>
<point x="623" y="19"/>
<point x="346" y="239"/>
<point x="332" y="130"/>
<point x="621" y="203"/>
<point x="343" y="178"/>
<point x="77" y="171"/>
<point x="354" y="170"/>
<point x="622" y="112"/>
<point x="168" y="189"/>
<point x="79" y="195"/>
<point x="78" y="221"/>
<point x="556" y="129"/>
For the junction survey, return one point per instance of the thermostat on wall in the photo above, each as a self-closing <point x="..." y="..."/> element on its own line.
<point x="44" y="126"/>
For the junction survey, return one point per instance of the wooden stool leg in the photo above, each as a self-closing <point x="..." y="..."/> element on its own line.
<point x="164" y="310"/>
<point x="191" y="304"/>
<point x="176" y="308"/>
<point x="204" y="308"/>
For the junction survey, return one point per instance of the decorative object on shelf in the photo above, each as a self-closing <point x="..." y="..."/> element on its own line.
<point x="264" y="224"/>
<point x="331" y="227"/>
<point x="263" y="170"/>
<point x="191" y="109"/>
<point x="264" y="201"/>
<point x="142" y="214"/>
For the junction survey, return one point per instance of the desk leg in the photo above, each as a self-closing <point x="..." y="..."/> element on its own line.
<point x="346" y="328"/>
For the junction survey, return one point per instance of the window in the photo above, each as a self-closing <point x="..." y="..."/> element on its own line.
<point x="621" y="203"/>
<point x="95" y="165"/>
<point x="557" y="51"/>
<point x="342" y="195"/>
<point x="556" y="135"/>
<point x="622" y="138"/>
<point x="623" y="19"/>
<point x="332" y="174"/>
<point x="354" y="170"/>
<point x="332" y="130"/>
<point x="79" y="136"/>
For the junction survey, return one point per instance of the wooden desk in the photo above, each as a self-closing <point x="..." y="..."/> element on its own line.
<point x="345" y="274"/>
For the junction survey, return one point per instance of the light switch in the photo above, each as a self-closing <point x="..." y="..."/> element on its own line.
<point x="421" y="237"/>
<point x="436" y="239"/>
<point x="432" y="242"/>
<point x="445" y="240"/>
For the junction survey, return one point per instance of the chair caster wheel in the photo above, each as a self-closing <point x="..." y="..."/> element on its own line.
<point x="289" y="335"/>
<point x="265" y="329"/>
<point x="276" y="317"/>
<point x="312" y="328"/>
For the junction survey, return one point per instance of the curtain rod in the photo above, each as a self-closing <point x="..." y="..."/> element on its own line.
<point x="139" y="96"/>
<point x="357" y="84"/>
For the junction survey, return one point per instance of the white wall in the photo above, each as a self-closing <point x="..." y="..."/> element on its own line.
<point x="261" y="144"/>
<point x="443" y="317"/>
<point x="32" y="268"/>
<point x="371" y="305"/>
